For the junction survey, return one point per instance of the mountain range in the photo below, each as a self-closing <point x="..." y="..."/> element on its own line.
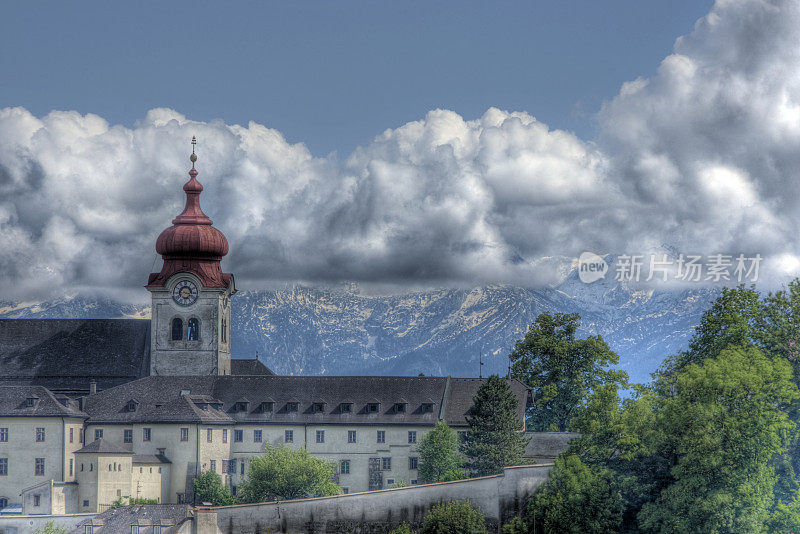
<point x="310" y="330"/>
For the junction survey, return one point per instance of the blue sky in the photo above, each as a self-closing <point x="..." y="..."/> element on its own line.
<point x="477" y="142"/>
<point x="333" y="74"/>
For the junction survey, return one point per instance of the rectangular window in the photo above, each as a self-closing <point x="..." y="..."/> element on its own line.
<point x="344" y="467"/>
<point x="3" y="467"/>
<point x="224" y="435"/>
<point x="37" y="499"/>
<point x="351" y="436"/>
<point x="145" y="434"/>
<point x="412" y="436"/>
<point x="241" y="467"/>
<point x="256" y="436"/>
<point x="225" y="466"/>
<point x="98" y="433"/>
<point x="320" y="436"/>
<point x="345" y="490"/>
<point x="71" y="434"/>
<point x="3" y="435"/>
<point x="413" y="463"/>
<point x="71" y="463"/>
<point x="238" y="436"/>
<point x="213" y="465"/>
<point x="381" y="436"/>
<point x="40" y="434"/>
<point x="134" y="529"/>
<point x="386" y="463"/>
<point x="39" y="467"/>
<point x="414" y="482"/>
<point x="184" y="434"/>
<point x="127" y="436"/>
<point x="288" y="436"/>
<point x="232" y="467"/>
<point x="210" y="435"/>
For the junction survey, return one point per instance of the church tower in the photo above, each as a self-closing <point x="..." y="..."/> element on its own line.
<point x="191" y="313"/>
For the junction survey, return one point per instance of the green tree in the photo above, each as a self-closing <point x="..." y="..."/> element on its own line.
<point x="282" y="473"/>
<point x="494" y="438"/>
<point x="561" y="370"/>
<point x="50" y="528"/>
<point x="576" y="499"/>
<point x="723" y="424"/>
<point x="439" y="458"/>
<point x="456" y="517"/>
<point x="402" y="529"/>
<point x="208" y="487"/>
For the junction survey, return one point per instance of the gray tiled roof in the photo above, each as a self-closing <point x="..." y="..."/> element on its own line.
<point x="249" y="367"/>
<point x="13" y="403"/>
<point x="462" y="390"/>
<point x="65" y="354"/>
<point x="116" y="520"/>
<point x="151" y="459"/>
<point x="103" y="446"/>
<point x="161" y="400"/>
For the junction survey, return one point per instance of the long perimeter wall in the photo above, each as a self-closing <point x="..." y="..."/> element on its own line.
<point x="500" y="497"/>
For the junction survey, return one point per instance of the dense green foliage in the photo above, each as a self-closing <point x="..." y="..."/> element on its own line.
<point x="439" y="459"/>
<point x="710" y="446"/>
<point x="494" y="438"/>
<point x="208" y="487"/>
<point x="574" y="499"/>
<point x="456" y="517"/>
<point x="282" y="473"/>
<point x="402" y="529"/>
<point x="561" y="371"/>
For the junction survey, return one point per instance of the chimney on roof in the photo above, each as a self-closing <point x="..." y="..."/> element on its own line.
<point x="92" y="387"/>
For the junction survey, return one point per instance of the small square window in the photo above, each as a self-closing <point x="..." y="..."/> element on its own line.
<point x="238" y="436"/>
<point x="184" y="434"/>
<point x="400" y="407"/>
<point x="127" y="435"/>
<point x="381" y="436"/>
<point x="256" y="436"/>
<point x="414" y="481"/>
<point x="346" y="407"/>
<point x="318" y="407"/>
<point x="386" y="463"/>
<point x="390" y="481"/>
<point x="86" y="503"/>
<point x="351" y="436"/>
<point x="288" y="436"/>
<point x="267" y="406"/>
<point x="320" y="436"/>
<point x="98" y="433"/>
<point x="412" y="436"/>
<point x="292" y="406"/>
<point x="373" y="407"/>
<point x="3" y="435"/>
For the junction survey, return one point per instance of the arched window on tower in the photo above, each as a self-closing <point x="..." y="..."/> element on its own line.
<point x="193" y="332"/>
<point x="177" y="329"/>
<point x="224" y="333"/>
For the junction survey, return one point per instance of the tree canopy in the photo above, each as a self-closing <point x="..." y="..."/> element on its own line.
<point x="208" y="487"/>
<point x="561" y="370"/>
<point x="439" y="457"/>
<point x="282" y="473"/>
<point x="494" y="439"/>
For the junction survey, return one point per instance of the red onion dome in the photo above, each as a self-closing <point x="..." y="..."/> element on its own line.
<point x="191" y="234"/>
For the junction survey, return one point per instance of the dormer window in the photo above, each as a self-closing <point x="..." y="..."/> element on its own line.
<point x="373" y="407"/>
<point x="400" y="407"/>
<point x="292" y="406"/>
<point x="130" y="406"/>
<point x="267" y="406"/>
<point x="185" y="391"/>
<point x="346" y="407"/>
<point x="30" y="402"/>
<point x="427" y="407"/>
<point x="241" y="406"/>
<point x="318" y="407"/>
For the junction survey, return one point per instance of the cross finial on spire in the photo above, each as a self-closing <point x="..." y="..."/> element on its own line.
<point x="193" y="157"/>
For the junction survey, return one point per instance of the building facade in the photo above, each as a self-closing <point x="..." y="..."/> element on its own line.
<point x="136" y="419"/>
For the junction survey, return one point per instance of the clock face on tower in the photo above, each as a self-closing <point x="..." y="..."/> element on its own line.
<point x="185" y="293"/>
